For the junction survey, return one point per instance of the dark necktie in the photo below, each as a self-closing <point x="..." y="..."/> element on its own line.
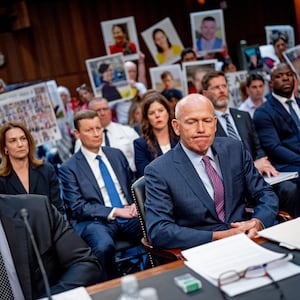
<point x="230" y="130"/>
<point x="218" y="187"/>
<point x="106" y="139"/>
<point x="293" y="113"/>
<point x="5" y="287"/>
<point x="110" y="187"/>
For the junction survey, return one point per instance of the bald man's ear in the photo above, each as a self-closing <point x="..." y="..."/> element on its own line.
<point x="176" y="126"/>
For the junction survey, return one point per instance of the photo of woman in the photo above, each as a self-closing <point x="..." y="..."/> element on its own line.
<point x="163" y="42"/>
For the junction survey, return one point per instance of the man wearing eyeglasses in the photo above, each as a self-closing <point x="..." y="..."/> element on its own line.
<point x="239" y="125"/>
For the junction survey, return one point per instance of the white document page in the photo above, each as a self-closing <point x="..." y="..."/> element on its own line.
<point x="74" y="294"/>
<point x="287" y="233"/>
<point x="237" y="253"/>
<point x="281" y="177"/>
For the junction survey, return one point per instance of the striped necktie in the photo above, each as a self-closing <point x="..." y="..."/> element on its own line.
<point x="218" y="187"/>
<point x="230" y="130"/>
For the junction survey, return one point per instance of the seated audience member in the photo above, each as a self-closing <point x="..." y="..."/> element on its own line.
<point x="20" y="171"/>
<point x="184" y="207"/>
<point x="196" y="85"/>
<point x="99" y="202"/>
<point x="228" y="66"/>
<point x="277" y="121"/>
<point x="68" y="261"/>
<point x="188" y="54"/>
<point x="158" y="136"/>
<point x="114" y="134"/>
<point x="239" y="125"/>
<point x="255" y="89"/>
<point x="135" y="117"/>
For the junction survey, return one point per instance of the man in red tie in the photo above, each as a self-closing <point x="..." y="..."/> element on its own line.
<point x="196" y="192"/>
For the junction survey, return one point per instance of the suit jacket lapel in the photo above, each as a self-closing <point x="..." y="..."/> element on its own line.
<point x="16" y="231"/>
<point x="15" y="184"/>
<point x="34" y="178"/>
<point x="189" y="174"/>
<point x="87" y="172"/>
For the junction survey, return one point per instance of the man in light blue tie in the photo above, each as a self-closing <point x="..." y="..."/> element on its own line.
<point x="96" y="185"/>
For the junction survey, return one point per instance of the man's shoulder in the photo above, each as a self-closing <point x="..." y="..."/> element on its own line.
<point x="124" y="128"/>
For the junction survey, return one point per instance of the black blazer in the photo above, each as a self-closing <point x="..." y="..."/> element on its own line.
<point x="247" y="132"/>
<point x="42" y="181"/>
<point x="67" y="259"/>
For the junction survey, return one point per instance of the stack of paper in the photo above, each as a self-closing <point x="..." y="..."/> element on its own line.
<point x="286" y="233"/>
<point x="236" y="253"/>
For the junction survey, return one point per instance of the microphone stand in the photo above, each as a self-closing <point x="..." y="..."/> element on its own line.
<point x="24" y="214"/>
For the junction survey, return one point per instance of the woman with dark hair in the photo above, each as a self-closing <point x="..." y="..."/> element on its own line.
<point x="109" y="91"/>
<point x="158" y="136"/>
<point x="122" y="43"/>
<point x="20" y="171"/>
<point x="165" y="49"/>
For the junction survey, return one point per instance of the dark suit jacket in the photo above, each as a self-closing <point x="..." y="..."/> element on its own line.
<point x="247" y="132"/>
<point x="67" y="259"/>
<point x="278" y="133"/>
<point x="42" y="181"/>
<point x="143" y="156"/>
<point x="81" y="192"/>
<point x="179" y="211"/>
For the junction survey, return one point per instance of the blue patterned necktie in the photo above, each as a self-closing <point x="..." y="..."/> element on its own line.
<point x="218" y="187"/>
<point x="293" y="113"/>
<point x="230" y="130"/>
<point x="5" y="287"/>
<point x="110" y="187"/>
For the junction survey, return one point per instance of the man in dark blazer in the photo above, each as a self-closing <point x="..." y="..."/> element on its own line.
<point x="180" y="210"/>
<point x="278" y="133"/>
<point x="68" y="261"/>
<point x="287" y="191"/>
<point x="86" y="196"/>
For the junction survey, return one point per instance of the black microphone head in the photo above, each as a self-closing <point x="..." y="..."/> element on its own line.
<point x="24" y="212"/>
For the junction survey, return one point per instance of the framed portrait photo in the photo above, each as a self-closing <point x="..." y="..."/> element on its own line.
<point x="292" y="57"/>
<point x="276" y="31"/>
<point x="163" y="42"/>
<point x="109" y="78"/>
<point x="168" y="80"/>
<point x="120" y="37"/>
<point x="193" y="73"/>
<point x="208" y="32"/>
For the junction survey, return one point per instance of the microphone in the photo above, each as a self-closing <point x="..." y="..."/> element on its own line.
<point x="24" y="214"/>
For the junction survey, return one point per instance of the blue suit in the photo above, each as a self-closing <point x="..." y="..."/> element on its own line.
<point x="87" y="210"/>
<point x="179" y="211"/>
<point x="287" y="191"/>
<point x="143" y="156"/>
<point x="278" y="134"/>
<point x="218" y="44"/>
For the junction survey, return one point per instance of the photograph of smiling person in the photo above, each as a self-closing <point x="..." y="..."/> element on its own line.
<point x="120" y="37"/>
<point x="163" y="42"/>
<point x="109" y="78"/>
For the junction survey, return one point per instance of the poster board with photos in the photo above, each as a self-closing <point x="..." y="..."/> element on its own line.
<point x="111" y="67"/>
<point x="292" y="57"/>
<point x="163" y="32"/>
<point x="156" y="81"/>
<point x="273" y="32"/>
<point x="32" y="106"/>
<point x="193" y="72"/>
<point x="213" y="19"/>
<point x="121" y="26"/>
<point x="234" y="80"/>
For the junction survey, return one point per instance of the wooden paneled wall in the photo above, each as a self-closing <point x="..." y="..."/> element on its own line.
<point x="64" y="33"/>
